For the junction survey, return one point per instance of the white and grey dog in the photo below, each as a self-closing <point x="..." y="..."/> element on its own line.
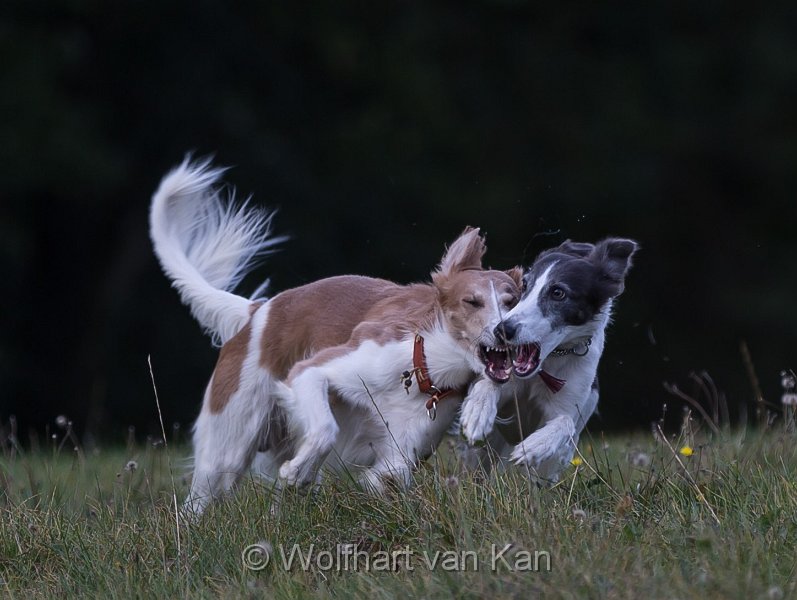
<point x="555" y="335"/>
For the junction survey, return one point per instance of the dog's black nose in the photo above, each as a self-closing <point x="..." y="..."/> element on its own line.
<point x="505" y="331"/>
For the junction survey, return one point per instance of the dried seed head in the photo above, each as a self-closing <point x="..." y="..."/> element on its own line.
<point x="775" y="593"/>
<point x="579" y="514"/>
<point x="788" y="381"/>
<point x="639" y="459"/>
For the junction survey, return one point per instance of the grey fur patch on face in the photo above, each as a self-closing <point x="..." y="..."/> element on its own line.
<point x="581" y="279"/>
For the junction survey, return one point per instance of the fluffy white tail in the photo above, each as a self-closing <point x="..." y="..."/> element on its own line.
<point x="206" y="244"/>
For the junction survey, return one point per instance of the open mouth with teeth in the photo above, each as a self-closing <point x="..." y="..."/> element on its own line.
<point x="527" y="359"/>
<point x="498" y="366"/>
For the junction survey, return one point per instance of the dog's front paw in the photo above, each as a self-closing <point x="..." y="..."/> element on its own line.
<point x="479" y="410"/>
<point x="476" y="421"/>
<point x="542" y="445"/>
<point x="530" y="454"/>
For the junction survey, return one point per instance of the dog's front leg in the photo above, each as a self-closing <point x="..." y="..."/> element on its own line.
<point x="554" y="439"/>
<point x="479" y="410"/>
<point x="306" y="402"/>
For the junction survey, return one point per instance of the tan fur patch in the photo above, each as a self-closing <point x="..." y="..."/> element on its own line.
<point x="323" y="314"/>
<point x="227" y="375"/>
<point x="407" y="310"/>
<point x="254" y="306"/>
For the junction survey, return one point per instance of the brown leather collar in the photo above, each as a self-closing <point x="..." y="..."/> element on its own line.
<point x="421" y="372"/>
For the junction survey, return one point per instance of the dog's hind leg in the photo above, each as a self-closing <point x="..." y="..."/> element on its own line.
<point x="225" y="443"/>
<point x="395" y="467"/>
<point x="237" y="406"/>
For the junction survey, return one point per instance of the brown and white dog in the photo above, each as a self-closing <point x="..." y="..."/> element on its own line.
<point x="347" y="372"/>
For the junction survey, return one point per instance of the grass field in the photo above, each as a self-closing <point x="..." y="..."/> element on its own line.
<point x="637" y="518"/>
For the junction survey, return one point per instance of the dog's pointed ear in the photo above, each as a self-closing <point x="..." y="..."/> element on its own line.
<point x="464" y="253"/>
<point x="614" y="256"/>
<point x="516" y="273"/>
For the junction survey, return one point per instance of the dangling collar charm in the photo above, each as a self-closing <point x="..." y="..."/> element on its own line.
<point x="421" y="373"/>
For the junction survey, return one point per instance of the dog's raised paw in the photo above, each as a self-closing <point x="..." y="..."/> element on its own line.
<point x="554" y="438"/>
<point x="476" y="427"/>
<point x="477" y="417"/>
<point x="533" y="452"/>
<point x="530" y="454"/>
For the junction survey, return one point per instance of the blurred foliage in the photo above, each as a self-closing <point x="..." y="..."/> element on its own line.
<point x="380" y="131"/>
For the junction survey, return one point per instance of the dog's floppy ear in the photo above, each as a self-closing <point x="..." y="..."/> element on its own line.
<point x="580" y="249"/>
<point x="570" y="248"/>
<point x="614" y="256"/>
<point x="465" y="253"/>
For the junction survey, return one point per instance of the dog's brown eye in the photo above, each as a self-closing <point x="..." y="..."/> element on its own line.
<point x="558" y="293"/>
<point x="474" y="302"/>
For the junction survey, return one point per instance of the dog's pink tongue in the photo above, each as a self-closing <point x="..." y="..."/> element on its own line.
<point x="526" y="359"/>
<point x="498" y="365"/>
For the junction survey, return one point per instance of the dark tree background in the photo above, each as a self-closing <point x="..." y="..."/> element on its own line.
<point x="380" y="130"/>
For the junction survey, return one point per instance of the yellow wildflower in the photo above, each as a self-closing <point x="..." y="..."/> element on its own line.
<point x="686" y="451"/>
<point x="576" y="461"/>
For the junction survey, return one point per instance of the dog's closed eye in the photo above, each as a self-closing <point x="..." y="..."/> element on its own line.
<point x="474" y="302"/>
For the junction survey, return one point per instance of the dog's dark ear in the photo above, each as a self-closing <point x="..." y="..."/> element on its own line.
<point x="570" y="248"/>
<point x="580" y="249"/>
<point x="464" y="253"/>
<point x="614" y="256"/>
